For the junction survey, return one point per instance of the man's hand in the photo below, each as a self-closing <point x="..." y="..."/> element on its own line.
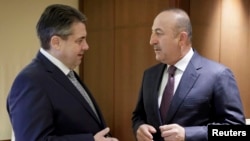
<point x="172" y="132"/>
<point x="101" y="136"/>
<point x="144" y="132"/>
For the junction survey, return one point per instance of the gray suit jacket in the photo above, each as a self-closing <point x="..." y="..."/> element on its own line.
<point x="207" y="94"/>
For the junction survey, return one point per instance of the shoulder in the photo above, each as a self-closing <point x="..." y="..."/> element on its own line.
<point x="208" y="68"/>
<point x="30" y="74"/>
<point x="206" y="64"/>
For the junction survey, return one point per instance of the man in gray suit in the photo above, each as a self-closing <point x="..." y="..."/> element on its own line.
<point x="204" y="92"/>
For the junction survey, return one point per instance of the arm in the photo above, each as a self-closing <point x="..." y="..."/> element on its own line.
<point x="226" y="106"/>
<point x="139" y="115"/>
<point x="32" y="115"/>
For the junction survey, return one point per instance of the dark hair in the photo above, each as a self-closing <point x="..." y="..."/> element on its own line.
<point x="57" y="20"/>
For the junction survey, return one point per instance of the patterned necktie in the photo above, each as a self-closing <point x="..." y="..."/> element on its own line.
<point x="168" y="93"/>
<point x="79" y="87"/>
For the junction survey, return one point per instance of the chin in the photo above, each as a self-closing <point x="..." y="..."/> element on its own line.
<point x="158" y="58"/>
<point x="79" y="62"/>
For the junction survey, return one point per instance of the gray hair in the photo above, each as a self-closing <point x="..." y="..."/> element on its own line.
<point x="57" y="19"/>
<point x="183" y="22"/>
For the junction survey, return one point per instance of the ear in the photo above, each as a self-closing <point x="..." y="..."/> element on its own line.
<point x="183" y="38"/>
<point x="55" y="42"/>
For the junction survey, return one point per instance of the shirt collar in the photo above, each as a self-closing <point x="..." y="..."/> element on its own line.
<point x="182" y="64"/>
<point x="55" y="61"/>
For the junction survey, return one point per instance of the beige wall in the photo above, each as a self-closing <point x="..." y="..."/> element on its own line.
<point x="19" y="45"/>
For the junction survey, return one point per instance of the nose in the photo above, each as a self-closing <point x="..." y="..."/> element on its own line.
<point x="85" y="46"/>
<point x="153" y="39"/>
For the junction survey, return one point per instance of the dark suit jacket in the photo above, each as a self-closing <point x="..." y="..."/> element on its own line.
<point x="43" y="104"/>
<point x="207" y="94"/>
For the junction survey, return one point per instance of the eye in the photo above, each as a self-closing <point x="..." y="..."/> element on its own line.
<point x="79" y="41"/>
<point x="158" y="32"/>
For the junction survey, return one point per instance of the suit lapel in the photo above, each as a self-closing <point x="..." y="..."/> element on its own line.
<point x="187" y="81"/>
<point x="155" y="81"/>
<point x="63" y="80"/>
<point x="93" y="101"/>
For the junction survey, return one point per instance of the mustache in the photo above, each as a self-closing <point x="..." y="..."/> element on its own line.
<point x="156" y="47"/>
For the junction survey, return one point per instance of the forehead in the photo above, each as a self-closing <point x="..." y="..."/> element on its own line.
<point x="163" y="21"/>
<point x="78" y="29"/>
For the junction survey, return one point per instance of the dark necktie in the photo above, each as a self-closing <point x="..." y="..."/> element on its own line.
<point x="79" y="87"/>
<point x="168" y="93"/>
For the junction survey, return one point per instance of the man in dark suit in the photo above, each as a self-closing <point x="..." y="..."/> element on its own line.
<point x="204" y="93"/>
<point x="43" y="103"/>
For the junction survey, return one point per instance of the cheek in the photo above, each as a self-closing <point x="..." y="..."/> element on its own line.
<point x="77" y="48"/>
<point x="165" y="44"/>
